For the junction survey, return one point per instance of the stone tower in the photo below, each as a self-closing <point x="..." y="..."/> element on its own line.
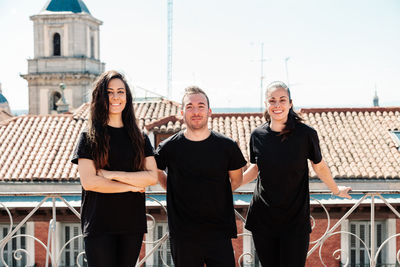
<point x="375" y="101"/>
<point x="66" y="50"/>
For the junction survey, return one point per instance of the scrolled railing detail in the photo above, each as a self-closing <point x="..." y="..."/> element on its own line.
<point x="328" y="225"/>
<point x="383" y="244"/>
<point x="65" y="245"/>
<point x="54" y="255"/>
<point x="341" y="250"/>
<point x="8" y="239"/>
<point x="249" y="261"/>
<point x="83" y="259"/>
<point x="10" y="217"/>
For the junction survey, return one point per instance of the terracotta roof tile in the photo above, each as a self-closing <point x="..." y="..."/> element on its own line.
<point x="355" y="142"/>
<point x="39" y="147"/>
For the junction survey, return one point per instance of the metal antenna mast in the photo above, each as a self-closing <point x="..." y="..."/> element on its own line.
<point x="262" y="60"/>
<point x="169" y="55"/>
<point x="287" y="72"/>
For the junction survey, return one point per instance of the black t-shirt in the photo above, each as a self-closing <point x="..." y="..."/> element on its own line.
<point x="199" y="194"/>
<point x="113" y="212"/>
<point x="281" y="201"/>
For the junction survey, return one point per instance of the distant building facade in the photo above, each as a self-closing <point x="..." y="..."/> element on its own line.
<point x="66" y="50"/>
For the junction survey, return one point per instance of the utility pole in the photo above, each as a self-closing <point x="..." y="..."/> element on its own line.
<point x="169" y="48"/>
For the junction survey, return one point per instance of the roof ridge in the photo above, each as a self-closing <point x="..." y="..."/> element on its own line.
<point x="234" y="114"/>
<point x="366" y="109"/>
<point x="6" y="122"/>
<point x="173" y="118"/>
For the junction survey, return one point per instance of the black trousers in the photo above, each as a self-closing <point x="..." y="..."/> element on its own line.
<point x="195" y="253"/>
<point x="282" y="251"/>
<point x="113" y="250"/>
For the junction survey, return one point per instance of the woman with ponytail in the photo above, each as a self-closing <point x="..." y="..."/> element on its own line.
<point x="279" y="213"/>
<point x="115" y="163"/>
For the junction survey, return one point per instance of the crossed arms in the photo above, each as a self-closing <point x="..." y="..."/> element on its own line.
<point x="104" y="181"/>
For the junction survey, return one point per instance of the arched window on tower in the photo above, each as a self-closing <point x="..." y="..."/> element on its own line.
<point x="56" y="44"/>
<point x="91" y="47"/>
<point x="55" y="96"/>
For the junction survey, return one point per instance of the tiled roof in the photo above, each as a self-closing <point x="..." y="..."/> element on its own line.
<point x="355" y="142"/>
<point x="146" y="112"/>
<point x="39" y="147"/>
<point x="237" y="126"/>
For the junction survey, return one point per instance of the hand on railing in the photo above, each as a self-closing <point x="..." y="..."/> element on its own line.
<point x="343" y="192"/>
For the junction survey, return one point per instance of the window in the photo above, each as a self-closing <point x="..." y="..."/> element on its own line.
<point x="55" y="96"/>
<point x="74" y="248"/>
<point x="358" y="252"/>
<point x="56" y="44"/>
<point x="12" y="246"/>
<point x="164" y="251"/>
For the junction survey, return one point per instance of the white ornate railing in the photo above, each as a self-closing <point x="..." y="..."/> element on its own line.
<point x="53" y="255"/>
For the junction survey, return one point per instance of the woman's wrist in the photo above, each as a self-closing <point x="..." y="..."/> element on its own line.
<point x="337" y="192"/>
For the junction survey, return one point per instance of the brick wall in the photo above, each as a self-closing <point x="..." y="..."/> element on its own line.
<point x="41" y="230"/>
<point x="330" y="245"/>
<point x="238" y="242"/>
<point x="397" y="238"/>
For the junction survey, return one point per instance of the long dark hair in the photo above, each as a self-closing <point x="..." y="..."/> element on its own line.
<point x="293" y="117"/>
<point x="98" y="120"/>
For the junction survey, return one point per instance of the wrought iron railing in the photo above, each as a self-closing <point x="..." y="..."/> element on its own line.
<point x="53" y="254"/>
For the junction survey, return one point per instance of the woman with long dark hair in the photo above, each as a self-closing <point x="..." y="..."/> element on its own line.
<point x="115" y="163"/>
<point x="279" y="213"/>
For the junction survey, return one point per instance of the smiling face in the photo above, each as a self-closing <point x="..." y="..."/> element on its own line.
<point x="195" y="111"/>
<point x="278" y="104"/>
<point x="116" y="96"/>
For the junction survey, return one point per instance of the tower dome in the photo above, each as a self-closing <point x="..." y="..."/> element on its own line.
<point x="74" y="6"/>
<point x="3" y="102"/>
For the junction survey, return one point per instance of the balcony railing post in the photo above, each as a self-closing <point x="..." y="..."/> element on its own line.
<point x="372" y="241"/>
<point x="53" y="234"/>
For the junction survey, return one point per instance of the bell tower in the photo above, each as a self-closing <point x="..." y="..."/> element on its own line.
<point x="66" y="50"/>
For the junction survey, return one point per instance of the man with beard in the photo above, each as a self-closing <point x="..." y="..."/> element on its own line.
<point x="203" y="167"/>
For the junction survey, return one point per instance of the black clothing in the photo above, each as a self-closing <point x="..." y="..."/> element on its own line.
<point x="118" y="213"/>
<point x="281" y="201"/>
<point x="199" y="194"/>
<point x="192" y="253"/>
<point x="283" y="251"/>
<point x="115" y="250"/>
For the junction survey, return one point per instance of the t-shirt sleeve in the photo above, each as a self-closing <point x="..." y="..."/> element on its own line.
<point x="236" y="160"/>
<point x="83" y="149"/>
<point x="148" y="148"/>
<point x="314" y="151"/>
<point x="160" y="156"/>
<point x="251" y="151"/>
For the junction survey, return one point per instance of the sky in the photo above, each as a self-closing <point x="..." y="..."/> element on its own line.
<point x="339" y="51"/>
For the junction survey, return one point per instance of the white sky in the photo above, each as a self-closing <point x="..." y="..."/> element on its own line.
<point x="338" y="49"/>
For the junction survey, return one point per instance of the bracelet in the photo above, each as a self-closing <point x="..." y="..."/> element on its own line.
<point x="336" y="193"/>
